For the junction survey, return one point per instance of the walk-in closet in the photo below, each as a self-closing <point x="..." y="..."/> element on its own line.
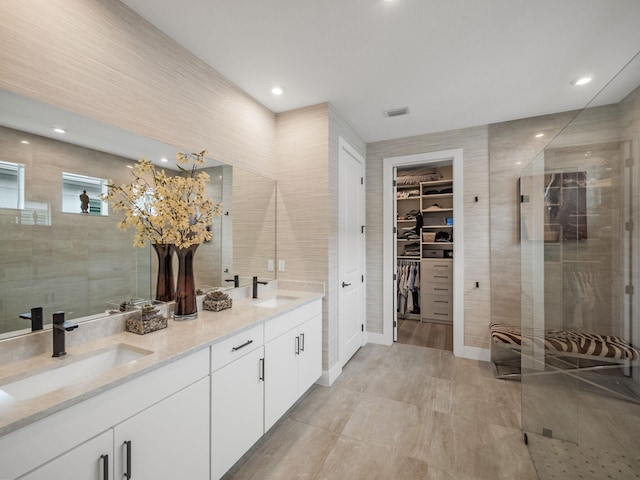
<point x="424" y="255"/>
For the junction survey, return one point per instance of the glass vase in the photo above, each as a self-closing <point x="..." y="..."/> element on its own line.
<point x="186" y="307"/>
<point x="165" y="285"/>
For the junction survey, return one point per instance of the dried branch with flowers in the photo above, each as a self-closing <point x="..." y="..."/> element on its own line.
<point x="166" y="209"/>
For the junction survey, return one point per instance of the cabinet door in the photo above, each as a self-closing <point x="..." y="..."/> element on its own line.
<point x="91" y="460"/>
<point x="281" y="376"/>
<point x="310" y="358"/>
<point x="237" y="403"/>
<point x="168" y="440"/>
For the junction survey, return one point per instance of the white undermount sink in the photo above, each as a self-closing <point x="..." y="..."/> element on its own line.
<point x="274" y="302"/>
<point x="76" y="371"/>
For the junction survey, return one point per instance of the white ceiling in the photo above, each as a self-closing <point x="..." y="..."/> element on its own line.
<point x="454" y="63"/>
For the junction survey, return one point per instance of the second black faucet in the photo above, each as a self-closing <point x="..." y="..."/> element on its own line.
<point x="255" y="286"/>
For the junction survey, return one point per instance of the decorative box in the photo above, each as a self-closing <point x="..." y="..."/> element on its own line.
<point x="152" y="317"/>
<point x="216" y="301"/>
<point x="121" y="306"/>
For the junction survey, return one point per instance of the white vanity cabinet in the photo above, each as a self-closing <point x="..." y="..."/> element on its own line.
<point x="168" y="440"/>
<point x="164" y="412"/>
<point x="237" y="398"/>
<point x="293" y="358"/>
<point x="93" y="460"/>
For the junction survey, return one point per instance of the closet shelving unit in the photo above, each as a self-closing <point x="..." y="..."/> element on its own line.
<point x="436" y="267"/>
<point x="435" y="218"/>
<point x="405" y="203"/>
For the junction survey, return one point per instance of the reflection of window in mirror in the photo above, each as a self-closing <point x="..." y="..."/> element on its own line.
<point x="11" y="185"/>
<point x="81" y="194"/>
<point x="35" y="213"/>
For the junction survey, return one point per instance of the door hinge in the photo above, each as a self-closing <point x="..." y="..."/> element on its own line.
<point x="628" y="226"/>
<point x="395" y="184"/>
<point x="361" y="180"/>
<point x="628" y="289"/>
<point x="395" y="324"/>
<point x="362" y="327"/>
<point x="362" y="228"/>
<point x="395" y="230"/>
<point x="394" y="277"/>
<point x="362" y="278"/>
<point x="628" y="162"/>
<point x="524" y="198"/>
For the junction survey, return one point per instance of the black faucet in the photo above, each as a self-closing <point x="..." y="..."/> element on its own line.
<point x="235" y="280"/>
<point x="59" y="328"/>
<point x="255" y="286"/>
<point x="36" y="318"/>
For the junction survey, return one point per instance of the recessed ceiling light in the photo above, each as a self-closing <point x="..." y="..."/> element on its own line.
<point x="518" y="163"/>
<point x="163" y="159"/>
<point x="26" y="142"/>
<point x="129" y="166"/>
<point x="539" y="135"/>
<point x="59" y="130"/>
<point x="578" y="82"/>
<point x="277" y="90"/>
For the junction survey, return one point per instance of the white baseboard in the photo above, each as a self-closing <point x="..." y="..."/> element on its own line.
<point x="475" y="353"/>
<point x="329" y="376"/>
<point x="379" y="339"/>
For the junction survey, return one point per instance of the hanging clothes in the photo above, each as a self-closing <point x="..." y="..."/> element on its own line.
<point x="408" y="286"/>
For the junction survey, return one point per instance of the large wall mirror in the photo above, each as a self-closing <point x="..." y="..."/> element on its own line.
<point x="56" y="256"/>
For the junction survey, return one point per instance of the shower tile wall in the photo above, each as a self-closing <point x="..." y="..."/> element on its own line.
<point x="512" y="145"/>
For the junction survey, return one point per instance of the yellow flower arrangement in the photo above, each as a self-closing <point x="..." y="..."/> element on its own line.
<point x="166" y="209"/>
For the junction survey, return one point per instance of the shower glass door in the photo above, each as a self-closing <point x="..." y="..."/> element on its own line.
<point x="579" y="222"/>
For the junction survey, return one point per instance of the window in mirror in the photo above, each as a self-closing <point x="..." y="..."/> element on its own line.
<point x="36" y="213"/>
<point x="11" y="185"/>
<point x="82" y="194"/>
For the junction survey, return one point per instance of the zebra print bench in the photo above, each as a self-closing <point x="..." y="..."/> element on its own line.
<point x="507" y="341"/>
<point x="593" y="360"/>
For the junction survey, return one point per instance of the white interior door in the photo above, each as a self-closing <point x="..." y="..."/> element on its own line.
<point x="351" y="254"/>
<point x="395" y="254"/>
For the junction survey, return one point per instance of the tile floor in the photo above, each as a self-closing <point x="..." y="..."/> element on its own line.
<point x="400" y="412"/>
<point x="425" y="334"/>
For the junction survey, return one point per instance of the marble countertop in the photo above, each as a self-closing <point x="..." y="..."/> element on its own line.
<point x="176" y="341"/>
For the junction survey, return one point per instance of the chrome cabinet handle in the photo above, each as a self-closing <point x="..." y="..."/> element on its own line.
<point x="302" y="342"/>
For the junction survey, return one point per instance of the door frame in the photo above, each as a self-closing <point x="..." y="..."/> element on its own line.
<point x="345" y="148"/>
<point x="455" y="157"/>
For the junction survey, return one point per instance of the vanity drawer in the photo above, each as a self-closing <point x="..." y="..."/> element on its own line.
<point x="283" y="323"/>
<point x="228" y="350"/>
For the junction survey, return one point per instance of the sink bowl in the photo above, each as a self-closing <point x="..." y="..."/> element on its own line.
<point x="274" y="302"/>
<point x="76" y="371"/>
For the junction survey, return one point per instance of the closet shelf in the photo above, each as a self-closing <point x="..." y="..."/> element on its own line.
<point x="437" y="183"/>
<point x="406" y="221"/>
<point x="437" y="243"/>
<point x="438" y="195"/>
<point x="437" y="227"/>
<point x="409" y="257"/>
<point x="417" y="197"/>
<point x="438" y="210"/>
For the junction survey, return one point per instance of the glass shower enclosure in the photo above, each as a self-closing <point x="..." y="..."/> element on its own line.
<point x="580" y="314"/>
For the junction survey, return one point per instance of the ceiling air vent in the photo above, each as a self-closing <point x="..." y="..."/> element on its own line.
<point x="396" y="112"/>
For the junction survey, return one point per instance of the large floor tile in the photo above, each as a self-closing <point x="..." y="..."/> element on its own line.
<point x="290" y="450"/>
<point x="354" y="460"/>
